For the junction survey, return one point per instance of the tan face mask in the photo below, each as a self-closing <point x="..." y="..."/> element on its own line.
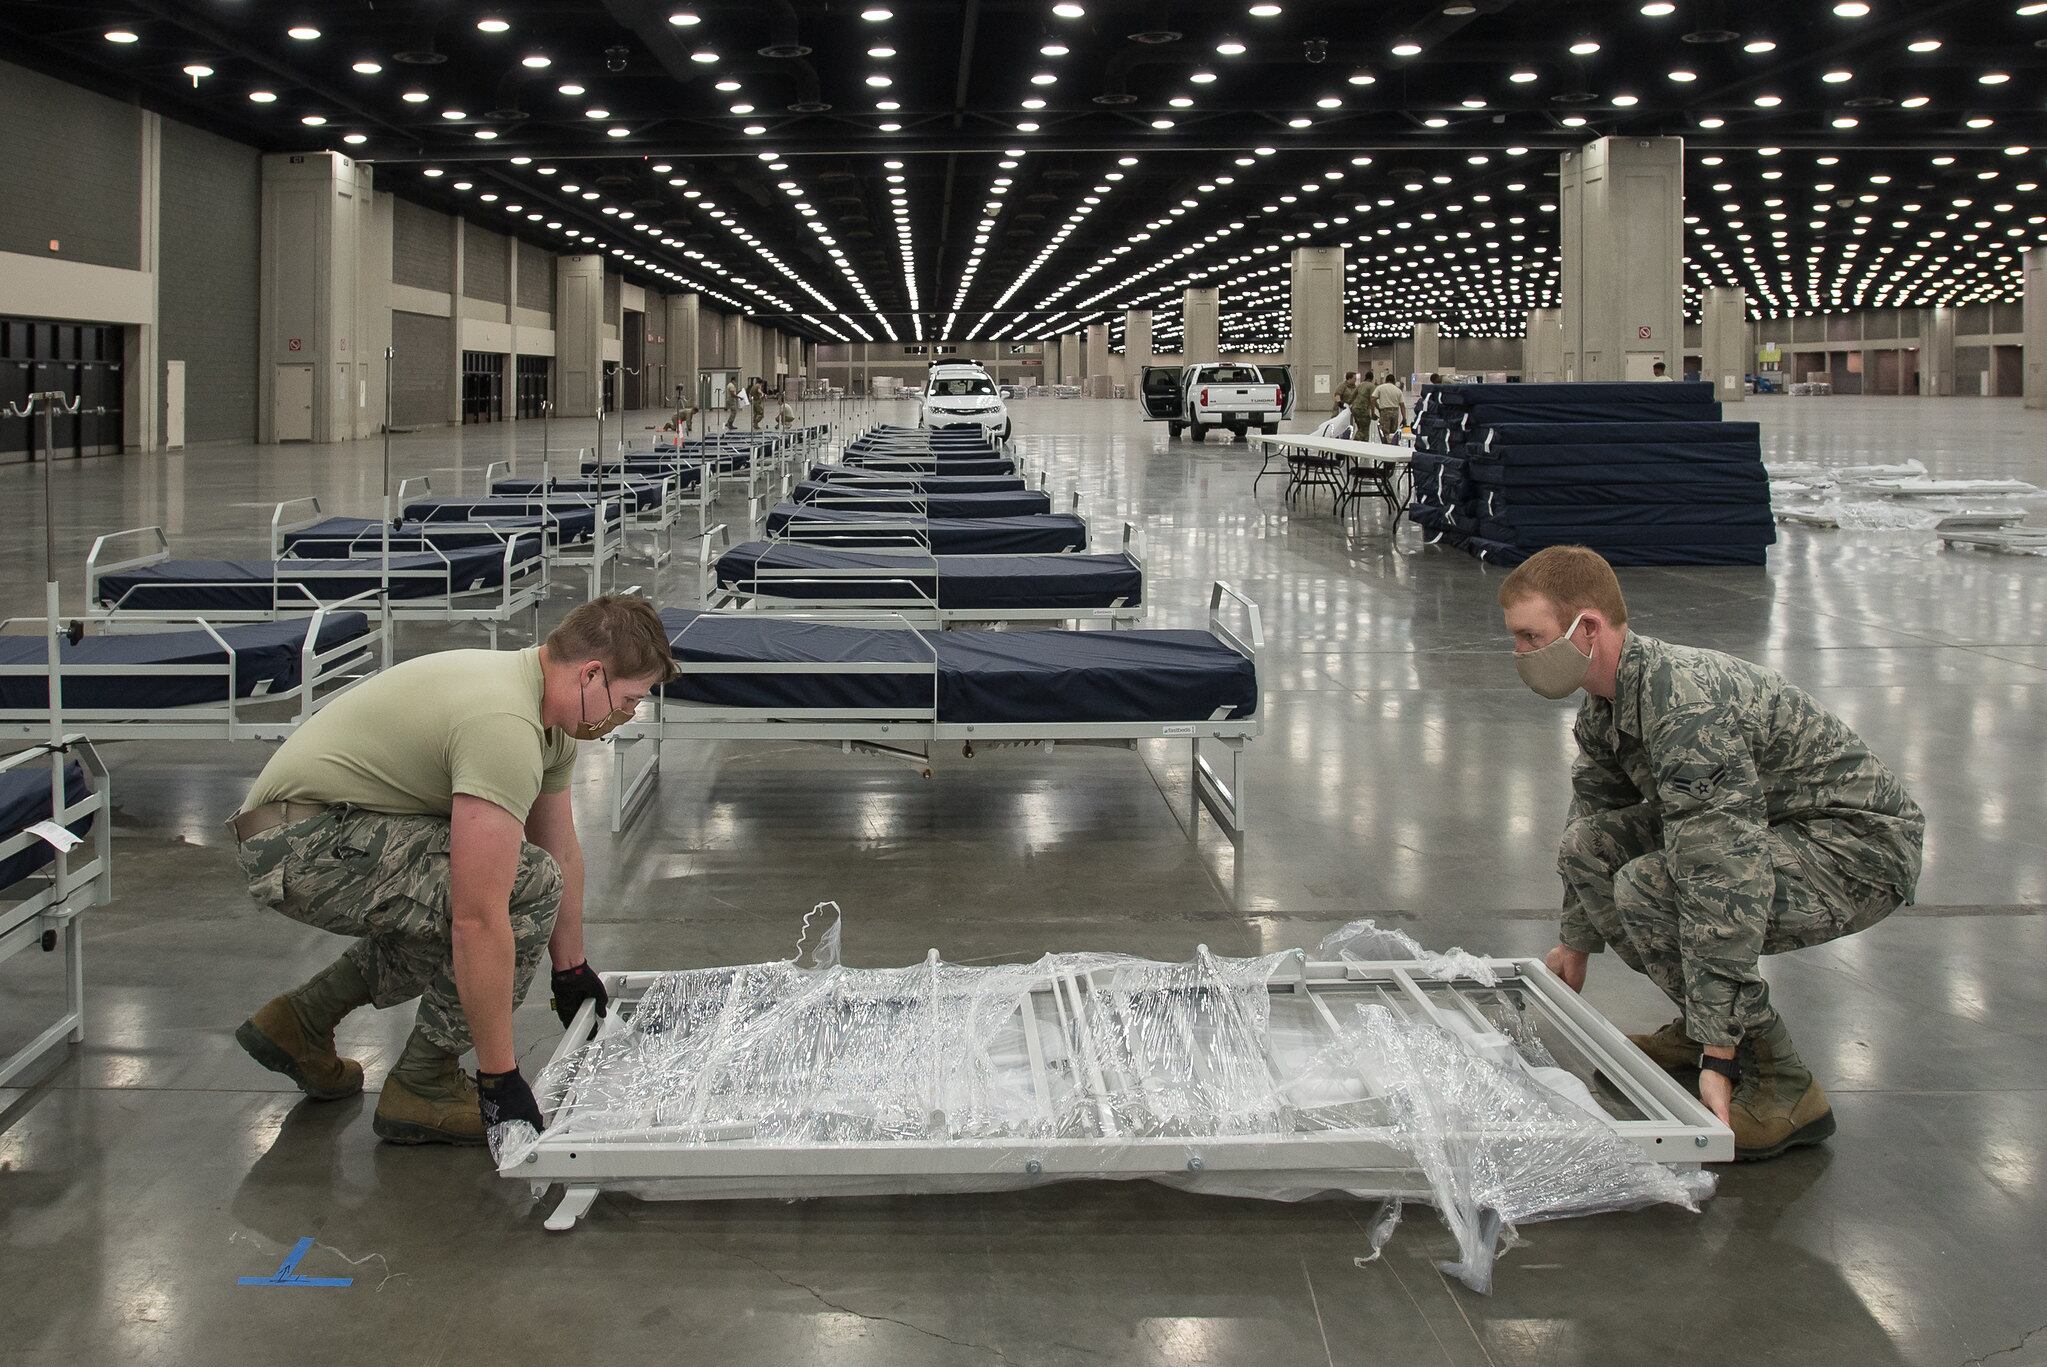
<point x="604" y="725"/>
<point x="1558" y="669"/>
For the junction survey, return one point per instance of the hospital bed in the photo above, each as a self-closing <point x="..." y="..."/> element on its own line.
<point x="940" y="591"/>
<point x="1045" y="533"/>
<point x="931" y="465"/>
<point x="855" y="477"/>
<point x="653" y="500"/>
<point x="1012" y="503"/>
<point x="189" y="678"/>
<point x="885" y="687"/>
<point x="491" y="586"/>
<point x="590" y="530"/>
<point x="46" y="881"/>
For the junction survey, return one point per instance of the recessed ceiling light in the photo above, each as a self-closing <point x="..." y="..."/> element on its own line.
<point x="1837" y="77"/>
<point x="432" y="173"/>
<point x="305" y="33"/>
<point x="1980" y="122"/>
<point x="1264" y="11"/>
<point x="492" y="25"/>
<point x="1851" y="9"/>
<point x="1914" y="102"/>
<point x="704" y="55"/>
<point x="881" y="52"/>
<point x="536" y="61"/>
<point x="1759" y="45"/>
<point x="1584" y="47"/>
<point x="886" y="105"/>
<point x="1522" y="77"/>
<point x="197" y="70"/>
<point x="1230" y="47"/>
<point x="683" y="18"/>
<point x="619" y="132"/>
<point x="1684" y="77"/>
<point x="1769" y="101"/>
<point x="1923" y="45"/>
<point x="486" y="134"/>
<point x="890" y="127"/>
<point x="368" y="68"/>
<point x="1992" y="78"/>
<point x="410" y="97"/>
<point x="1712" y="121"/>
<point x="1406" y="47"/>
<point x="875" y="14"/>
<point x="1845" y="121"/>
<point x="879" y="82"/>
<point x="355" y="139"/>
<point x="1625" y="101"/>
<point x="121" y="35"/>
<point x="1658" y="8"/>
<point x="452" y="114"/>
<point x="313" y="120"/>
<point x="1202" y="77"/>
<point x="263" y="96"/>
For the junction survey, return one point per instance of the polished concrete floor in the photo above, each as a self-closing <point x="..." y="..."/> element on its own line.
<point x="1403" y="774"/>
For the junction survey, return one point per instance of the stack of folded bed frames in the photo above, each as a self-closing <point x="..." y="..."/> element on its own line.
<point x="1644" y="473"/>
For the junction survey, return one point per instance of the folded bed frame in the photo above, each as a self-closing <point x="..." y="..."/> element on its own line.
<point x="874" y="683"/>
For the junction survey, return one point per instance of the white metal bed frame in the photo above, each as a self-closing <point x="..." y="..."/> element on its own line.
<point x="592" y="557"/>
<point x="893" y="732"/>
<point x="1674" y="1129"/>
<point x="918" y="572"/>
<point x="520" y="589"/>
<point x="47" y="914"/>
<point x="911" y="530"/>
<point x="657" y="520"/>
<point x="324" y="675"/>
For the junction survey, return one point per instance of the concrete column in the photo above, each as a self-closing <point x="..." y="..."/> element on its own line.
<point x="457" y="253"/>
<point x="142" y="399"/>
<point x="1136" y="341"/>
<point x="1200" y="326"/>
<point x="2036" y="327"/>
<point x="1069" y="358"/>
<point x="683" y="361"/>
<point x="578" y="334"/>
<point x="308" y="312"/>
<point x="1095" y="359"/>
<point x="1428" y="349"/>
<point x="1542" y="350"/>
<point x="730" y="351"/>
<point x="1351" y="361"/>
<point x="1316" y="350"/>
<point x="1937" y="351"/>
<point x="1621" y="204"/>
<point x="1724" y="357"/>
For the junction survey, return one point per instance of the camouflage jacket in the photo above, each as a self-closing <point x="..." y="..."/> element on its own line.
<point x="1722" y="750"/>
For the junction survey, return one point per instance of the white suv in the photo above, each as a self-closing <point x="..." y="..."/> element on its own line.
<point x="961" y="394"/>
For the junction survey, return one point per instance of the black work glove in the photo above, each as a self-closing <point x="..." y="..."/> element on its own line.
<point x="574" y="986"/>
<point x="505" y="1097"/>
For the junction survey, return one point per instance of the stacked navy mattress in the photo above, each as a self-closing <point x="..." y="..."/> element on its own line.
<point x="268" y="659"/>
<point x="1045" y="533"/>
<point x="1645" y="473"/>
<point x="987" y="677"/>
<point x="966" y="582"/>
<point x="25" y="800"/>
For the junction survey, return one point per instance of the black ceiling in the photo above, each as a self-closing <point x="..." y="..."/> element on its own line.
<point x="1433" y="167"/>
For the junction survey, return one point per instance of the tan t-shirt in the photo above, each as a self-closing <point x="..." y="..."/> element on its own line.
<point x="1388" y="396"/>
<point x="409" y="739"/>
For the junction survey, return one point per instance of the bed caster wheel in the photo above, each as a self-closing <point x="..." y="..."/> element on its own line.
<point x="967" y="750"/>
<point x="48" y="940"/>
<point x="926" y="772"/>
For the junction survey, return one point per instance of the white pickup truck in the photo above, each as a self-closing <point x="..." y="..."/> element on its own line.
<point x="1196" y="398"/>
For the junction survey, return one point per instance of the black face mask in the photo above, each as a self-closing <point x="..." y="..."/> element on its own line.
<point x="604" y="725"/>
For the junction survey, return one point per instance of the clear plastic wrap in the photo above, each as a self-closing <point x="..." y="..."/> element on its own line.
<point x="1223" y="1075"/>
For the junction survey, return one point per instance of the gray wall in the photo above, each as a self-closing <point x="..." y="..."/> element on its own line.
<point x="422" y="382"/>
<point x="74" y="172"/>
<point x="422" y="250"/>
<point x="536" y="279"/>
<point x="485" y="255"/>
<point x="209" y="242"/>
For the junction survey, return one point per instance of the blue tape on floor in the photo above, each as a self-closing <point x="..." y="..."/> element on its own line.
<point x="286" y="1275"/>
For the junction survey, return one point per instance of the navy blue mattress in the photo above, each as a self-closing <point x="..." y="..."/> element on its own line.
<point x="1044" y="533"/>
<point x="25" y="800"/>
<point x="983" y="676"/>
<point x="1666" y="553"/>
<point x="246" y="585"/>
<point x="948" y="465"/>
<point x="636" y="494"/>
<point x="267" y="660"/>
<point x="1617" y="433"/>
<point x="929" y="483"/>
<point x="687" y="473"/>
<point x="963" y="581"/>
<point x="1015" y="504"/>
<point x="1543" y="463"/>
<point x="572" y="521"/>
<point x="1567" y="393"/>
<point x="360" y="536"/>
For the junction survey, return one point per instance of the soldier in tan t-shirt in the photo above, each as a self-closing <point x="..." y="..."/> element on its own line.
<point x="426" y="814"/>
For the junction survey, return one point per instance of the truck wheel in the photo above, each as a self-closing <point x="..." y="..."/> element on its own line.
<point x="1237" y="432"/>
<point x="1173" y="429"/>
<point x="1268" y="428"/>
<point x="1195" y="431"/>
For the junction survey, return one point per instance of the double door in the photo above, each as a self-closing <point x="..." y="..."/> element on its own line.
<point x="78" y="360"/>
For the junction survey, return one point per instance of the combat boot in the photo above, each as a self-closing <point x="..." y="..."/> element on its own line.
<point x="441" y="1115"/>
<point x="278" y="1038"/>
<point x="1670" y="1049"/>
<point x="1776" y="1105"/>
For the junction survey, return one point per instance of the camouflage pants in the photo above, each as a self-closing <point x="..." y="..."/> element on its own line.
<point x="758" y="414"/>
<point x="1389" y="425"/>
<point x="1614" y="861"/>
<point x="384" y="880"/>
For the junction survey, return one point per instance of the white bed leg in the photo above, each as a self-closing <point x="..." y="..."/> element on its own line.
<point x="575" y="1204"/>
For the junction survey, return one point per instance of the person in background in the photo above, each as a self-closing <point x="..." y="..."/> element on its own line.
<point x="785" y="416"/>
<point x="731" y="403"/>
<point x="1718" y="814"/>
<point x="1435" y="377"/>
<point x="679" y="424"/>
<point x="1390" y="406"/>
<point x="1659" y="371"/>
<point x="1347" y="392"/>
<point x="757" y="395"/>
<point x="425" y="814"/>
